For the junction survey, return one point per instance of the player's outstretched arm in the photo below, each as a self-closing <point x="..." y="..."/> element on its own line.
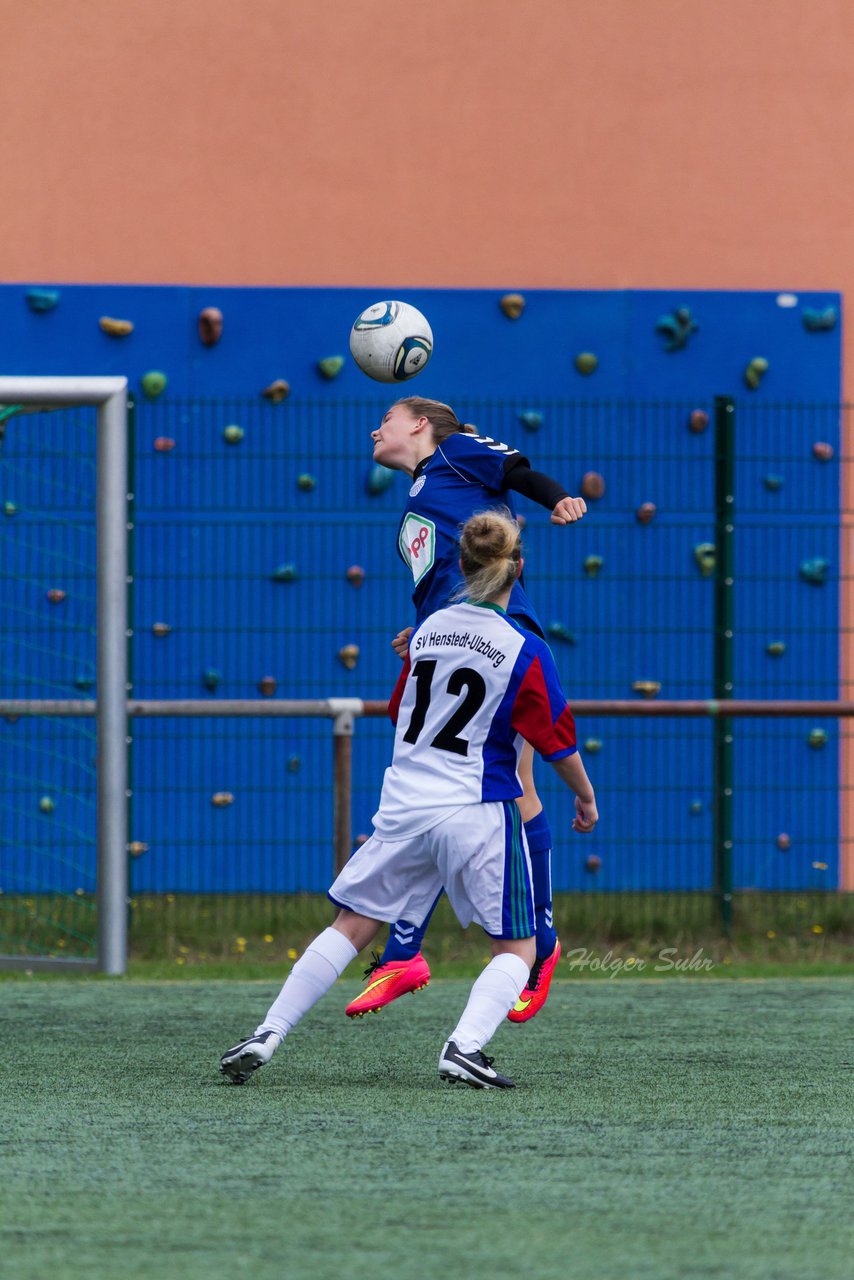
<point x="570" y="769"/>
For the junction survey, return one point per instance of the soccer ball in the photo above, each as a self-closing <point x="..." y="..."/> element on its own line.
<point x="391" y="341"/>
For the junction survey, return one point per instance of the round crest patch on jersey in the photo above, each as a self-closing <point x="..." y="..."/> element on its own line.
<point x="418" y="486"/>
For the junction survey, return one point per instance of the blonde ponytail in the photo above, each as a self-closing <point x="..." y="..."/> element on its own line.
<point x="490" y="552"/>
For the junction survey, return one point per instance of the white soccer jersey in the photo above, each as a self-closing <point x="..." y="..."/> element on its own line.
<point x="474" y="686"/>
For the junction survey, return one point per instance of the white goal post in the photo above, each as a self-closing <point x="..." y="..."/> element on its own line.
<point x="109" y="397"/>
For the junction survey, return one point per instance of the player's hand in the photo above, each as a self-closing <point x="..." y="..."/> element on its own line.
<point x="400" y="643"/>
<point x="586" y="816"/>
<point x="568" y="510"/>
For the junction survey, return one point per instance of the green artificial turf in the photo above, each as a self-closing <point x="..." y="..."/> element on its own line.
<point x="661" y="1130"/>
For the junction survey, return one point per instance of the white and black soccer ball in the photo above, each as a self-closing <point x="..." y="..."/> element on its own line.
<point x="391" y="341"/>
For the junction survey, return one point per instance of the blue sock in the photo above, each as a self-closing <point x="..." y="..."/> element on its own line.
<point x="539" y="836"/>
<point x="405" y="938"/>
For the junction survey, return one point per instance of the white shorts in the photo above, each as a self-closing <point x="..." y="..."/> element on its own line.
<point x="478" y="855"/>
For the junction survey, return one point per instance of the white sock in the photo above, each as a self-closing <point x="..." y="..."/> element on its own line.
<point x="491" y="999"/>
<point x="323" y="961"/>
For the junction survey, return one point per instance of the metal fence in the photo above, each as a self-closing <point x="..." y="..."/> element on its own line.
<point x="712" y="566"/>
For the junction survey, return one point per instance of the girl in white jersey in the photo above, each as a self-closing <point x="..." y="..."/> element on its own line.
<point x="475" y="686"/>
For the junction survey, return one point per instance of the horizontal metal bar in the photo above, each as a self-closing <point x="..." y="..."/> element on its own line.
<point x="58" y="391"/>
<point x="329" y="708"/>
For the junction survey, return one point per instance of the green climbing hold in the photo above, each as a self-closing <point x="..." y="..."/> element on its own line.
<point x="531" y="419"/>
<point x="233" y="434"/>
<point x="705" y="555"/>
<point x="814" y="571"/>
<point x="330" y="367"/>
<point x="817" y="738"/>
<point x="592" y="565"/>
<point x="379" y="479"/>
<point x="285" y="573"/>
<point x="306" y="482"/>
<point x="41" y="300"/>
<point x="593" y="745"/>
<point x="83" y="683"/>
<point x="47" y="804"/>
<point x="677" y="328"/>
<point x="586" y="363"/>
<point x="560" y="631"/>
<point x="775" y="649"/>
<point x="10" y="508"/>
<point x="773" y="482"/>
<point x="212" y="679"/>
<point x="153" y="383"/>
<point x="755" y="372"/>
<point x="817" y="319"/>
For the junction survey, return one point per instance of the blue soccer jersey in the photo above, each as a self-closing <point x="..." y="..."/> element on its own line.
<point x="466" y="474"/>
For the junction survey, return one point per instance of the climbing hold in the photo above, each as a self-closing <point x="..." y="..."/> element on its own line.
<point x="822" y="451"/>
<point x="210" y="326"/>
<point x="10" y="508"/>
<point x="348" y="656"/>
<point x="137" y="848"/>
<point x="233" y="434"/>
<point x="83" y="683"/>
<point x="592" y="565"/>
<point x="512" y="304"/>
<point x="775" y="649"/>
<point x="560" y="631"/>
<point x="115" y="328"/>
<point x="285" y="573"/>
<point x="677" y="328"/>
<point x="161" y="628"/>
<point x="755" y="372"/>
<point x="212" y="679"/>
<point x="361" y="839"/>
<point x="784" y="841"/>
<point x="306" y="482"/>
<point x="586" y="363"/>
<point x="817" y="738"/>
<point x="164" y="444"/>
<point x="379" y="479"/>
<point x="277" y="391"/>
<point x="593" y="745"/>
<point x="592" y="485"/>
<point x="819" y="866"/>
<point x="696" y="807"/>
<point x="773" y="482"/>
<point x="47" y="804"/>
<point x="814" y="571"/>
<point x="153" y="383"/>
<point x="55" y="595"/>
<point x="521" y="522"/>
<point x="268" y="686"/>
<point x="593" y="863"/>
<point x="294" y="763"/>
<point x="815" y="320"/>
<point x="42" y="299"/>
<point x="330" y="367"/>
<point x="355" y="575"/>
<point x="706" y="557"/>
<point x="531" y="419"/>
<point x="698" y="421"/>
<point x="648" y="688"/>
<point x="645" y="512"/>
<point x="222" y="799"/>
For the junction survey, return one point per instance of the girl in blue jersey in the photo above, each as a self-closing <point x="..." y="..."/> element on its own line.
<point x="455" y="473"/>
<point x="474" y="685"/>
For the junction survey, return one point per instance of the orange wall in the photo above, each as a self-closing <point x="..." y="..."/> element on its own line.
<point x="558" y="143"/>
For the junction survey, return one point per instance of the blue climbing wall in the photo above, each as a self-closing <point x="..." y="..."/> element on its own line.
<point x="241" y="551"/>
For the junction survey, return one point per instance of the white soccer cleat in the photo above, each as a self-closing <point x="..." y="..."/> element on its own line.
<point x="247" y="1056"/>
